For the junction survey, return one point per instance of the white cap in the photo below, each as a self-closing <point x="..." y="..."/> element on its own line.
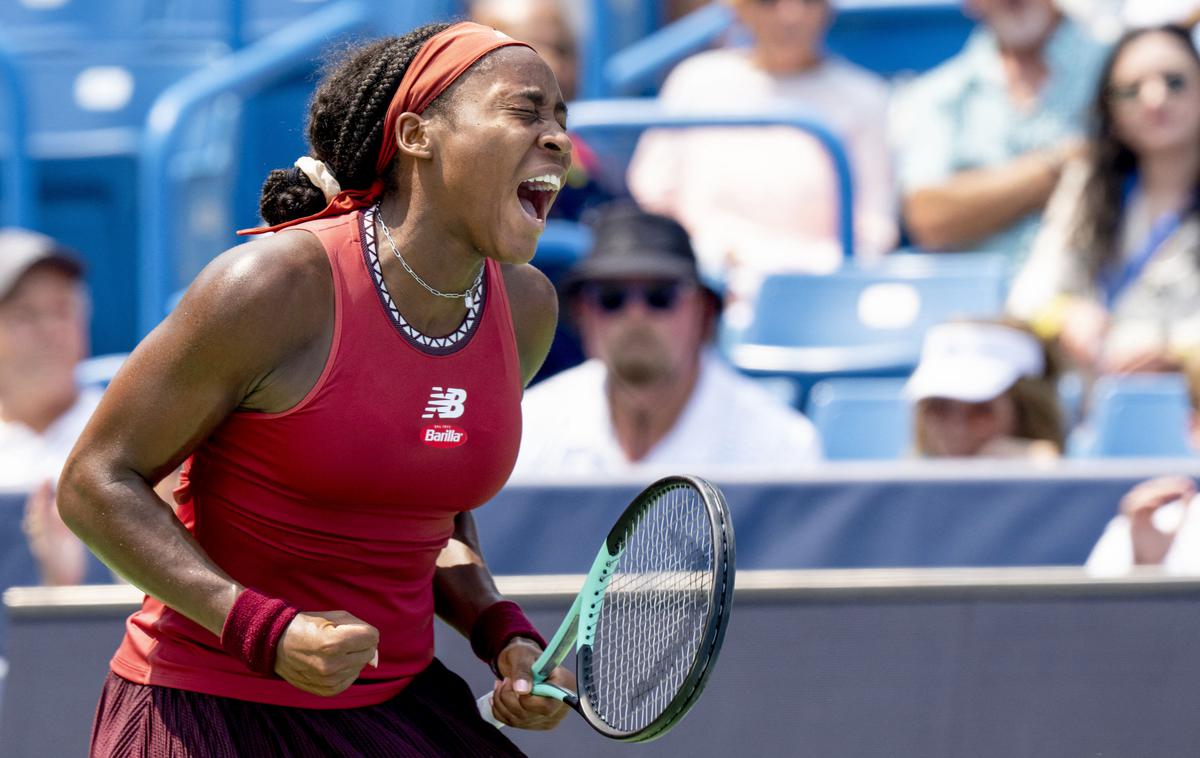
<point x="973" y="363"/>
<point x="22" y="249"/>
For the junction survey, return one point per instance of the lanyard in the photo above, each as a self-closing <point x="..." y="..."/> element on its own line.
<point x="1114" y="279"/>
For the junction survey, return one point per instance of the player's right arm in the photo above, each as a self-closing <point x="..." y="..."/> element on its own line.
<point x="251" y="333"/>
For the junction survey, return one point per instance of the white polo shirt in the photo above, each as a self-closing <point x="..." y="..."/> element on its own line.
<point x="1113" y="553"/>
<point x="27" y="458"/>
<point x="729" y="421"/>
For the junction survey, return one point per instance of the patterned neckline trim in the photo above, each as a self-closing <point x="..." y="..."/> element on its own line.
<point x="434" y="345"/>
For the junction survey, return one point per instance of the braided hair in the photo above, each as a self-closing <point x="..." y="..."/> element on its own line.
<point x="345" y="123"/>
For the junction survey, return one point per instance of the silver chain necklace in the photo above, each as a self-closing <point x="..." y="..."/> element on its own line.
<point x="468" y="296"/>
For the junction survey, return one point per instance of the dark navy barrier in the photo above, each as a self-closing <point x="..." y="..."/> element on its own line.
<point x="18" y="568"/>
<point x="1009" y="663"/>
<point x="851" y="515"/>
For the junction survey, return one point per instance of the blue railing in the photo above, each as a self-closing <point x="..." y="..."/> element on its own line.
<point x="635" y="114"/>
<point x="18" y="208"/>
<point x="613" y="25"/>
<point x="241" y="73"/>
<point x="638" y="67"/>
<point x="886" y="37"/>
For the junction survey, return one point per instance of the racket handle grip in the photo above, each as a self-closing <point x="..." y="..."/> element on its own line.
<point x="484" y="702"/>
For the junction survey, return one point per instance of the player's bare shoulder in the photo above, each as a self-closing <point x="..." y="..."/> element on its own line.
<point x="278" y="287"/>
<point x="527" y="283"/>
<point x="534" y="305"/>
<point x="261" y="316"/>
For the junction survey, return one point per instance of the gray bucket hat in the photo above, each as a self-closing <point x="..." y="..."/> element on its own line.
<point x="630" y="243"/>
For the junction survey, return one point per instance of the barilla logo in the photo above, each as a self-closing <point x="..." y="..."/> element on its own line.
<point x="443" y="435"/>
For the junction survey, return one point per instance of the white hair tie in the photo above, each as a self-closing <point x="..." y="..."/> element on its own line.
<point x="320" y="175"/>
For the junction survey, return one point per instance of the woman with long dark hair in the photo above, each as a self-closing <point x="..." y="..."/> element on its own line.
<point x="1115" y="271"/>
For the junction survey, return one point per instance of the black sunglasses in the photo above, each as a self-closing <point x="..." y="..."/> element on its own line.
<point x="611" y="298"/>
<point x="1174" y="81"/>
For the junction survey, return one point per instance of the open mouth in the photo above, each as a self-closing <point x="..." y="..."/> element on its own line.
<point x="535" y="195"/>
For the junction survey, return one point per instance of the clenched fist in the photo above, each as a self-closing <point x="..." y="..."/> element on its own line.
<point x="323" y="653"/>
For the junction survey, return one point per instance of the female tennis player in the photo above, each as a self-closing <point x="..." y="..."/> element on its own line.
<point x="343" y="392"/>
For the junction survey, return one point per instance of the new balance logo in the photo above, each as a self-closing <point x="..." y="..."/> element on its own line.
<point x="449" y="402"/>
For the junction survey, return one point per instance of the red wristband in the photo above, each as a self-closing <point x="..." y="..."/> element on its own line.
<point x="253" y="628"/>
<point x="495" y="628"/>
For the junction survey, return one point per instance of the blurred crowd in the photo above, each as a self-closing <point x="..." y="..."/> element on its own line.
<point x="1064" y="136"/>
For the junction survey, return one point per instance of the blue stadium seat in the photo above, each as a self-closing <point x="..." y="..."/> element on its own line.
<point x="1135" y="416"/>
<point x="861" y="419"/>
<point x="85" y="159"/>
<point x="93" y="101"/>
<point x="242" y="22"/>
<point x="30" y="22"/>
<point x="17" y="207"/>
<point x="613" y="127"/>
<point x="899" y="38"/>
<point x="254" y="19"/>
<point x="37" y="22"/>
<point x="267" y="85"/>
<point x="86" y="109"/>
<point x="863" y="320"/>
<point x="561" y="245"/>
<point x="639" y="68"/>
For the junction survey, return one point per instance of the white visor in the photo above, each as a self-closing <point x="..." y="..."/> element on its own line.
<point x="973" y="363"/>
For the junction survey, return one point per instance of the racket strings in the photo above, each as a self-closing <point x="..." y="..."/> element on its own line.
<point x="652" y="622"/>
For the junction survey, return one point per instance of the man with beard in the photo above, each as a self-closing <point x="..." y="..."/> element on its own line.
<point x="652" y="394"/>
<point x="982" y="139"/>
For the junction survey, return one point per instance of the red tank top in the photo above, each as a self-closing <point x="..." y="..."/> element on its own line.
<point x="344" y="501"/>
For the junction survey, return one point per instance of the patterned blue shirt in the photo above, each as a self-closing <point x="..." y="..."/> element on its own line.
<point x="959" y="116"/>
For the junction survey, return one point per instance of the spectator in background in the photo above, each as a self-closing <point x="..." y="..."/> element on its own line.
<point x="1115" y="272"/>
<point x="1157" y="522"/>
<point x="982" y="139"/>
<point x="542" y="24"/>
<point x="44" y="313"/>
<point x="987" y="390"/>
<point x="763" y="199"/>
<point x="652" y="393"/>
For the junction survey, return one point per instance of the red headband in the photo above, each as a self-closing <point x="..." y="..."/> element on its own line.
<point x="441" y="60"/>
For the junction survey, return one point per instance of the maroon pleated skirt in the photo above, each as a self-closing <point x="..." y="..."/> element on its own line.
<point x="434" y="716"/>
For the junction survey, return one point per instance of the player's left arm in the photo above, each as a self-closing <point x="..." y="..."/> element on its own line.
<point x="462" y="589"/>
<point x="462" y="585"/>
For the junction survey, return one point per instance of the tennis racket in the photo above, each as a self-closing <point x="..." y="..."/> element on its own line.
<point x="649" y="622"/>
